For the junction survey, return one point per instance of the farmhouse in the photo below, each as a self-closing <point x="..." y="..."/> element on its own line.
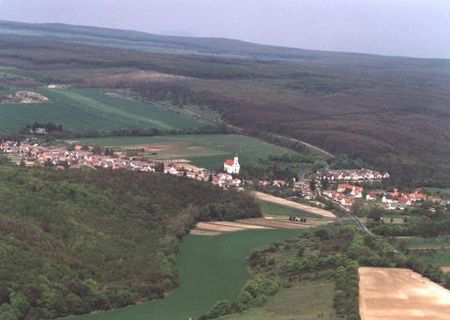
<point x="232" y="166"/>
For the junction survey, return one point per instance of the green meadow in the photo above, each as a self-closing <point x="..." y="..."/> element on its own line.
<point x="434" y="250"/>
<point x="211" y="269"/>
<point x="305" y="300"/>
<point x="90" y="109"/>
<point x="438" y="191"/>
<point x="204" y="150"/>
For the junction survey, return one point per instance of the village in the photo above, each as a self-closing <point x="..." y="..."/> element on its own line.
<point x="30" y="153"/>
<point x="342" y="187"/>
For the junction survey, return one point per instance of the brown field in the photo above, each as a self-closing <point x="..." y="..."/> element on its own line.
<point x="445" y="269"/>
<point x="138" y="76"/>
<point x="295" y="205"/>
<point x="400" y="294"/>
<point x="218" y="227"/>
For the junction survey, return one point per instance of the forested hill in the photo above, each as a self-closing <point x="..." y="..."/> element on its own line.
<point x="392" y="112"/>
<point x="82" y="240"/>
<point x="148" y="41"/>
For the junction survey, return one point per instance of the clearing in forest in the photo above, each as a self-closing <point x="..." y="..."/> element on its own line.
<point x="400" y="294"/>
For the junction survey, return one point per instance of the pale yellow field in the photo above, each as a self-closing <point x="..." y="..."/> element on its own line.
<point x="400" y="294"/>
<point x="295" y="205"/>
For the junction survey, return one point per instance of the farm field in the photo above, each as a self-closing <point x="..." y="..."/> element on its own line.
<point x="305" y="300"/>
<point x="90" y="109"/>
<point x="215" y="228"/>
<point x="204" y="150"/>
<point x="400" y="294"/>
<point x="438" y="191"/>
<point x="211" y="269"/>
<point x="275" y="210"/>
<point x="419" y="242"/>
<point x="434" y="250"/>
<point x="291" y="204"/>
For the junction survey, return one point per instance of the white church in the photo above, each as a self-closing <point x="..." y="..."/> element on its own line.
<point x="232" y="166"/>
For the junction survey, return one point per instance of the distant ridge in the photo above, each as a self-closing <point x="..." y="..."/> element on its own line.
<point x="172" y="44"/>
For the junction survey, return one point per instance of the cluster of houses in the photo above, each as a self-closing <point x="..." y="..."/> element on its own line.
<point x="30" y="153"/>
<point x="398" y="200"/>
<point x="352" y="175"/>
<point x="345" y="194"/>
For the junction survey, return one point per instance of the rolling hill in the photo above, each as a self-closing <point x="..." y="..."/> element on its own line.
<point x="393" y="112"/>
<point x="90" y="110"/>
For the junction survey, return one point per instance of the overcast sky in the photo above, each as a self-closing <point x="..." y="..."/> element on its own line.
<point x="419" y="28"/>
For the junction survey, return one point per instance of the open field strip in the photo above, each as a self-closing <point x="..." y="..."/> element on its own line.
<point x="210" y="268"/>
<point x="90" y="109"/>
<point x="204" y="150"/>
<point x="304" y="300"/>
<point x="219" y="227"/>
<point x="400" y="294"/>
<point x="445" y="269"/>
<point x="291" y="204"/>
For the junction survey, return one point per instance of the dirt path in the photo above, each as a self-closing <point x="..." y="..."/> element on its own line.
<point x="316" y="148"/>
<point x="400" y="294"/>
<point x="295" y="205"/>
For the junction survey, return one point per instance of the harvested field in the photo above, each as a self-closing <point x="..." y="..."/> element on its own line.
<point x="282" y="224"/>
<point x="400" y="294"/>
<point x="445" y="269"/>
<point x="218" y="227"/>
<point x="291" y="204"/>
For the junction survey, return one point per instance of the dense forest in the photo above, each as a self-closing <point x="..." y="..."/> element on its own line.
<point x="80" y="240"/>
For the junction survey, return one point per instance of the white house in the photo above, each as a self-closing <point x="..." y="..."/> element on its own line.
<point x="231" y="166"/>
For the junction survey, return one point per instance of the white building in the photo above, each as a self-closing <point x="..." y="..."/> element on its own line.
<point x="232" y="166"/>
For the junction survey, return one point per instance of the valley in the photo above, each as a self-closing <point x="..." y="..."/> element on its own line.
<point x="158" y="177"/>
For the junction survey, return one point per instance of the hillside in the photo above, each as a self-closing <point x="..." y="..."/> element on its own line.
<point x="392" y="112"/>
<point x="80" y="240"/>
<point x="90" y="110"/>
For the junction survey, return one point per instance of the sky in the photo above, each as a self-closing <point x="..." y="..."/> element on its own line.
<point x="417" y="28"/>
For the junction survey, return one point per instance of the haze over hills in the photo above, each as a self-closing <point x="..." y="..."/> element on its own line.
<point x="391" y="111"/>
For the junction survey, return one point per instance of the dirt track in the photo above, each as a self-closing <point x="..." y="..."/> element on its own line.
<point x="292" y="204"/>
<point x="400" y="294"/>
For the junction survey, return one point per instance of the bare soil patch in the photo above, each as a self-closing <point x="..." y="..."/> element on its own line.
<point x="219" y="227"/>
<point x="400" y="294"/>
<point x="445" y="269"/>
<point x="291" y="204"/>
<point x="127" y="78"/>
<point x="23" y="97"/>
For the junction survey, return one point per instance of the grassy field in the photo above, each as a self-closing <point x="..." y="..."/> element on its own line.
<point x="211" y="269"/>
<point x="438" y="191"/>
<point x="205" y="150"/>
<point x="434" y="250"/>
<point x="272" y="209"/>
<point x="419" y="242"/>
<point x="305" y="300"/>
<point x="90" y="109"/>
